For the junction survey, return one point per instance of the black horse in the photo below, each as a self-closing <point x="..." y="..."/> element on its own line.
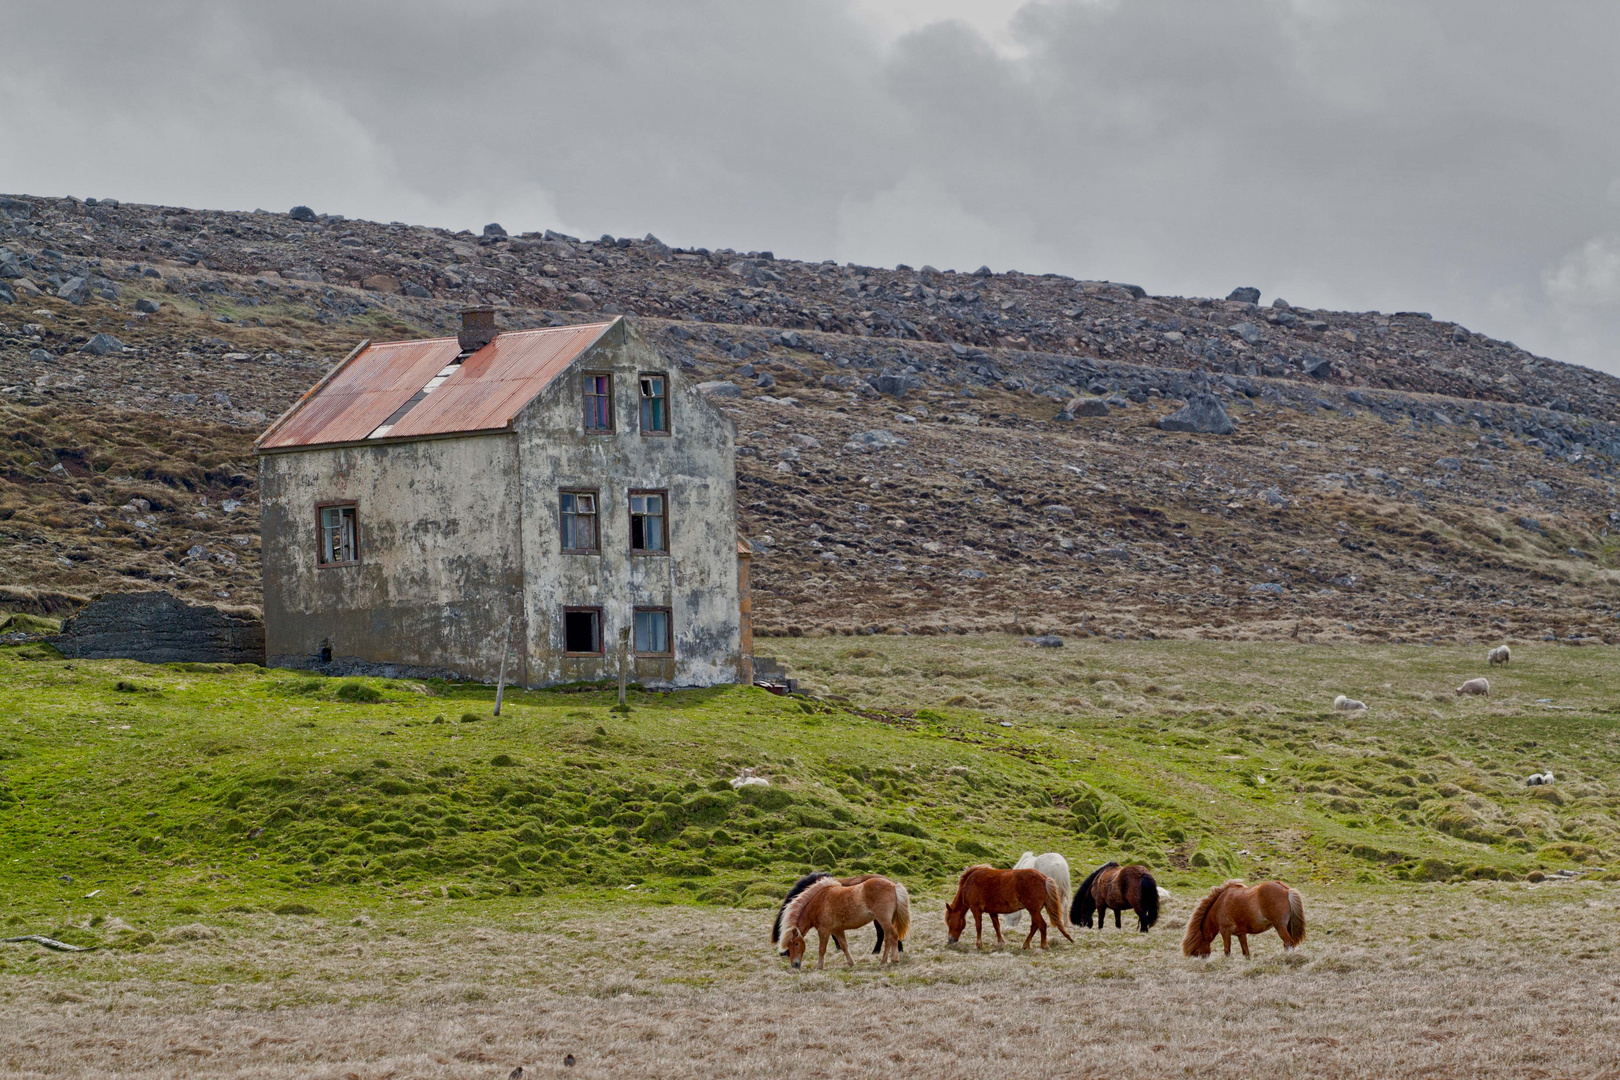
<point x="1112" y="886"/>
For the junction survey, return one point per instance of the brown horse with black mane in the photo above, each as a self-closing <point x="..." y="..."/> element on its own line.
<point x="832" y="909"/>
<point x="1235" y="909"/>
<point x="1115" y="887"/>
<point x="809" y="880"/>
<point x="983" y="889"/>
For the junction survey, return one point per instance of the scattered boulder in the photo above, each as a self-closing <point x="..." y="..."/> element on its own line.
<point x="101" y="345"/>
<point x="1086" y="407"/>
<point x="494" y="230"/>
<point x="75" y="290"/>
<point x="147" y="306"/>
<point x="1045" y="641"/>
<point x="1202" y="415"/>
<point x="580" y="301"/>
<point x="383" y="283"/>
<point x="1249" y="332"/>
<point x="6" y="295"/>
<point x="301" y="213"/>
<point x="1317" y="367"/>
<point x="1244" y="294"/>
<point x="719" y="388"/>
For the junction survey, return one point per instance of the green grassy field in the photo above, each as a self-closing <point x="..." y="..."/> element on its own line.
<point x="135" y="797"/>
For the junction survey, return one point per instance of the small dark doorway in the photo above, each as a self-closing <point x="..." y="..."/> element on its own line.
<point x="582" y="631"/>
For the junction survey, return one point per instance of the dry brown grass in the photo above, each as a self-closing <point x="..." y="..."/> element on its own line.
<point x="1441" y="981"/>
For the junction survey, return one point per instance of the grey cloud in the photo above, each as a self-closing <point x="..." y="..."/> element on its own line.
<point x="1457" y="156"/>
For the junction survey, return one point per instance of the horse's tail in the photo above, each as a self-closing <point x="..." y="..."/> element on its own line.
<point x="1296" y="916"/>
<point x="1054" y="902"/>
<point x="1148" y="897"/>
<point x="1194" y="942"/>
<point x="1084" y="903"/>
<point x="902" y="914"/>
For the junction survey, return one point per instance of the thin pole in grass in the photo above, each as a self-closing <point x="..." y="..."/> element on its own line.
<point x="624" y="661"/>
<point x="506" y="649"/>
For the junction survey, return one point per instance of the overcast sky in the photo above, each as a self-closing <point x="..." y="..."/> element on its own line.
<point x="1454" y="156"/>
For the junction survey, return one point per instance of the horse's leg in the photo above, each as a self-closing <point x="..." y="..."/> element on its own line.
<point x="843" y="944"/>
<point x="1226" y="939"/>
<point x="1243" y="940"/>
<point x="887" y="930"/>
<point x="821" y="951"/>
<point x="978" y="929"/>
<point x="1035" y="923"/>
<point x="1117" y="912"/>
<point x="995" y="921"/>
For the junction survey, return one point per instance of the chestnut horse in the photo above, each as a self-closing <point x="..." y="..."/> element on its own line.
<point x="984" y="889"/>
<point x="803" y="884"/>
<point x="832" y="909"/>
<point x="1115" y="887"/>
<point x="1234" y="908"/>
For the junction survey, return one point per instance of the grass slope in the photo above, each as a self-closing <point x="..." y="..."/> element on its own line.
<point x="156" y="793"/>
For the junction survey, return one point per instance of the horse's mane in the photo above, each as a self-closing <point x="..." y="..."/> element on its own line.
<point x="794" y="908"/>
<point x="1196" y="938"/>
<point x="798" y="887"/>
<point x="1085" y="886"/>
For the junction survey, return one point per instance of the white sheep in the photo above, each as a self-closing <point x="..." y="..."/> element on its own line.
<point x="1478" y="687"/>
<point x="1499" y="655"/>
<point x="1348" y="704"/>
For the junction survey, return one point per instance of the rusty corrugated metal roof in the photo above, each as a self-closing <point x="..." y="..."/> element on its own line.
<point x="485" y="391"/>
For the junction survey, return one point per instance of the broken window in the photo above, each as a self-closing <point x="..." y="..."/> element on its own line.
<point x="339" y="544"/>
<point x="582" y="631"/>
<point x="649" y="525"/>
<point x="579" y="521"/>
<point x="599" y="403"/>
<point x="654" y="405"/>
<point x="652" y="632"/>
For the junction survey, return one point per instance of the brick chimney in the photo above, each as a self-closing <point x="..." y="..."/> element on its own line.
<point x="477" y="328"/>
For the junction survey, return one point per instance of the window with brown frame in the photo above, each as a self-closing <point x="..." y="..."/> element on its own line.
<point x="582" y="631"/>
<point x="338" y="530"/>
<point x="599" y="403"/>
<point x="654" y="405"/>
<point x="577" y="522"/>
<point x="649" y="522"/>
<point x="653" y="637"/>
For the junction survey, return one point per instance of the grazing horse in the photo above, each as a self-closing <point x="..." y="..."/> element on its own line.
<point x="1115" y="887"/>
<point x="832" y="909"/>
<point x="984" y="889"/>
<point x="803" y="884"/>
<point x="1054" y="866"/>
<point x="1234" y="908"/>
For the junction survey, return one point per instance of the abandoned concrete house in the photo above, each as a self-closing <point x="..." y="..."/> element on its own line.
<point x="562" y="498"/>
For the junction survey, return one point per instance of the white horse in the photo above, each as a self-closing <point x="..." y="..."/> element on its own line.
<point x="1053" y="866"/>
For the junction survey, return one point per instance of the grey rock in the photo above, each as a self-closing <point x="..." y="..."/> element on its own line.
<point x="580" y="301"/>
<point x="1280" y="304"/>
<point x="793" y="339"/>
<point x="40" y="356"/>
<point x="1317" y="367"/>
<point x="1245" y="294"/>
<point x="6" y="295"/>
<point x="1088" y="407"/>
<point x="494" y="229"/>
<point x="1249" y="332"/>
<point x="894" y="384"/>
<point x="153" y="272"/>
<point x="301" y="213"/>
<point x="1045" y="641"/>
<point x="1267" y="587"/>
<point x="75" y="290"/>
<point x="147" y="306"/>
<point x="765" y="381"/>
<point x="183" y="399"/>
<point x="877" y="438"/>
<point x="972" y="574"/>
<point x="983" y="271"/>
<point x="101" y="345"/>
<point x="1272" y="497"/>
<point x="1540" y="487"/>
<point x="419" y="292"/>
<point x="1202" y="415"/>
<point x="1450" y="464"/>
<point x="1460" y="336"/>
<point x="719" y="388"/>
<point x="9" y="266"/>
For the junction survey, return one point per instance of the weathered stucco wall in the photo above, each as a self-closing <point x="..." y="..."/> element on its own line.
<point x="440" y="569"/>
<point x="696" y="464"/>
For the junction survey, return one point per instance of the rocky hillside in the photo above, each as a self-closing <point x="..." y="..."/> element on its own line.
<point x="924" y="451"/>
